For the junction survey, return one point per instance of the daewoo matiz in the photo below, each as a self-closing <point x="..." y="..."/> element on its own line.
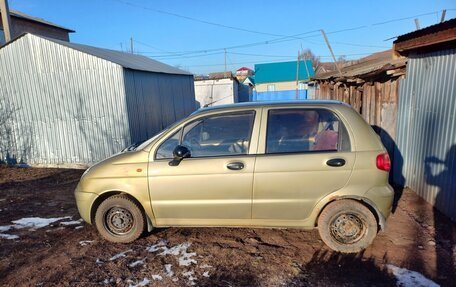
<point x="312" y="164"/>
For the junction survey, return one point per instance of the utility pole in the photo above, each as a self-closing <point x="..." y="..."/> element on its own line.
<point x="131" y="44"/>
<point x="297" y="76"/>
<point x="6" y="20"/>
<point x="330" y="50"/>
<point x="417" y="23"/>
<point x="443" y="16"/>
<point x="121" y="47"/>
<point x="225" y="59"/>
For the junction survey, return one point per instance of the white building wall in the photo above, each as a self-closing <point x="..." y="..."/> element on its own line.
<point x="215" y="92"/>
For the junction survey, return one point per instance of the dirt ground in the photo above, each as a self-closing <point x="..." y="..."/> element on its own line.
<point x="417" y="238"/>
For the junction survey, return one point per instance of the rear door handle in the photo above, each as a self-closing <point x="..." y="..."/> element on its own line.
<point x="336" y="162"/>
<point x="235" y="165"/>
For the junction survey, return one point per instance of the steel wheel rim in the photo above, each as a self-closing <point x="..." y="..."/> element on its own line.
<point x="119" y="221"/>
<point x="347" y="228"/>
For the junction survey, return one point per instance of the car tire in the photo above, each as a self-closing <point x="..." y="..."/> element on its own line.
<point x="347" y="226"/>
<point x="120" y="219"/>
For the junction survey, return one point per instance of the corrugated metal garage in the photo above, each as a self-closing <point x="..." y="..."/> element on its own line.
<point x="427" y="115"/>
<point x="75" y="104"/>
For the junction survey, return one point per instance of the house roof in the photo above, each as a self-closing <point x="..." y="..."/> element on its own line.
<point x="428" y="30"/>
<point x="373" y="63"/>
<point x="18" y="14"/>
<point x="325" y="67"/>
<point x="126" y="60"/>
<point x="249" y="80"/>
<point x="282" y="71"/>
<point x="215" y="76"/>
<point x="244" y="69"/>
<point x="433" y="37"/>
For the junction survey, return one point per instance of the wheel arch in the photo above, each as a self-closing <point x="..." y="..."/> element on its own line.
<point x="110" y="193"/>
<point x="381" y="221"/>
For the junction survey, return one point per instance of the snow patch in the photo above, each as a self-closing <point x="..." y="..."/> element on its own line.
<point x="206" y="274"/>
<point x="5" y="228"/>
<point x="99" y="262"/>
<point x="144" y="282"/>
<point x="109" y="281"/>
<point x="85" y="242"/>
<point x="31" y="223"/>
<point x="79" y="227"/>
<point x="121" y="254"/>
<point x="160" y="245"/>
<point x="8" y="236"/>
<point x="190" y="277"/>
<point x="408" y="278"/>
<point x="157" y="277"/>
<point x="168" y="270"/>
<point x="136" y="263"/>
<point x="185" y="258"/>
<point x="73" y="222"/>
<point x="36" y="222"/>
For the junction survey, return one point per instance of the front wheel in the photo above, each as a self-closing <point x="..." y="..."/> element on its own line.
<point x="119" y="219"/>
<point x="347" y="226"/>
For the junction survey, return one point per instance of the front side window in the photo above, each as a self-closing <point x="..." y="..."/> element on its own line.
<point x="305" y="130"/>
<point x="167" y="147"/>
<point x="220" y="135"/>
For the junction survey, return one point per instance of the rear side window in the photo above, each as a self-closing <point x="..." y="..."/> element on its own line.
<point x="305" y="130"/>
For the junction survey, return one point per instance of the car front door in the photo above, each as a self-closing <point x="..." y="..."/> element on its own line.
<point x="304" y="154"/>
<point x="214" y="185"/>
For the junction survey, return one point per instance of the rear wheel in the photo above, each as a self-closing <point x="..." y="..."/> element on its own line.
<point x="347" y="226"/>
<point x="120" y="219"/>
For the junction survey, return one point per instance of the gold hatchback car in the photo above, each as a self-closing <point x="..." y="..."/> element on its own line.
<point x="279" y="165"/>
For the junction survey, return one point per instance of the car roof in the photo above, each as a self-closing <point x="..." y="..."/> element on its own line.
<point x="269" y="104"/>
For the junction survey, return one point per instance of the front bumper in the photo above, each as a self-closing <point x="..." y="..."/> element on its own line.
<point x="84" y="202"/>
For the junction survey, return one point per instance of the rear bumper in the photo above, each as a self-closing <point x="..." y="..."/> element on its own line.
<point x="382" y="197"/>
<point x="84" y="201"/>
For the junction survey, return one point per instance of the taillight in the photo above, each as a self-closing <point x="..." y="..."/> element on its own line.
<point x="383" y="162"/>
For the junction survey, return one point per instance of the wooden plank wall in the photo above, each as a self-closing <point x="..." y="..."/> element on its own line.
<point x="376" y="102"/>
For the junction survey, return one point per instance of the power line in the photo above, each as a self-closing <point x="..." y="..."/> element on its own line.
<point x="274" y="61"/>
<point x="289" y="56"/>
<point x="405" y="18"/>
<point x="286" y="38"/>
<point x="196" y="20"/>
<point x="277" y="40"/>
<point x="153" y="47"/>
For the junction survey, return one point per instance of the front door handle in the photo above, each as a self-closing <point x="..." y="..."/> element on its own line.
<point x="336" y="162"/>
<point x="235" y="165"/>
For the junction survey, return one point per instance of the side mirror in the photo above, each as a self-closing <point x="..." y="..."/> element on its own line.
<point x="180" y="152"/>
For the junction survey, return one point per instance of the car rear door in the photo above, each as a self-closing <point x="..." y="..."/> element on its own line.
<point x="304" y="154"/>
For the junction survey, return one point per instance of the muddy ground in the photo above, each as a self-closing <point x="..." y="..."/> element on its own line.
<point x="417" y="238"/>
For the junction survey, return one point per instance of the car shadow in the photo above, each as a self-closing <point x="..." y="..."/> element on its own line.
<point x="396" y="177"/>
<point x="327" y="268"/>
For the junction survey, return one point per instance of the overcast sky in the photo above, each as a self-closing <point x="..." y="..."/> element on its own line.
<point x="194" y="34"/>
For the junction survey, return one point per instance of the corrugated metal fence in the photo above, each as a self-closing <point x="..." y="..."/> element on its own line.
<point x="426" y="134"/>
<point x="289" y="95"/>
